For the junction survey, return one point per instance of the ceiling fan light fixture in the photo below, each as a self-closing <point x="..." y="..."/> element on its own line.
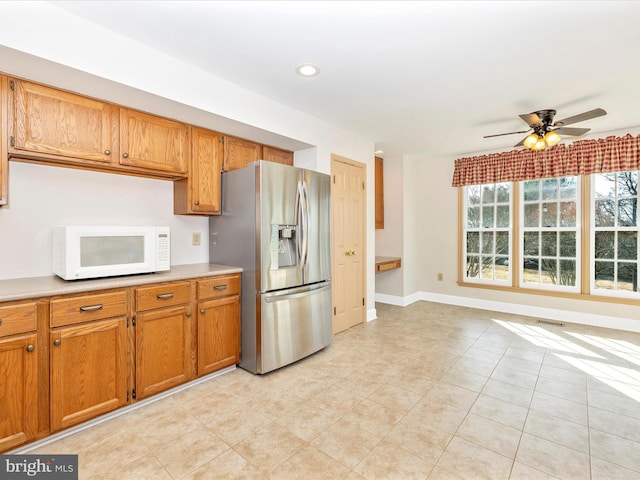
<point x="531" y="140"/>
<point x="540" y="144"/>
<point x="552" y="138"/>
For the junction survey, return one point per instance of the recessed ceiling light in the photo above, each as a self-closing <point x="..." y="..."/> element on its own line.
<point x="307" y="70"/>
<point x="379" y="152"/>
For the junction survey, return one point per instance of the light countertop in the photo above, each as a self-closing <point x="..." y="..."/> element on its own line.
<point x="34" y="287"/>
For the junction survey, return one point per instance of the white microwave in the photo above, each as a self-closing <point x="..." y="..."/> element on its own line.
<point x="81" y="252"/>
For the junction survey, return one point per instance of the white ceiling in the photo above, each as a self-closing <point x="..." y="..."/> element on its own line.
<point x="427" y="78"/>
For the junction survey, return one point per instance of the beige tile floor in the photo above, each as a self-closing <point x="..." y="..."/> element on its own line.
<point x="428" y="391"/>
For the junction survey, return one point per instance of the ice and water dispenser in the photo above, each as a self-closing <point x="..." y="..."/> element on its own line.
<point x="283" y="246"/>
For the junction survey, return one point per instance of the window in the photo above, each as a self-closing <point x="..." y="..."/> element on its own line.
<point x="550" y="234"/>
<point x="488" y="233"/>
<point x="614" y="234"/>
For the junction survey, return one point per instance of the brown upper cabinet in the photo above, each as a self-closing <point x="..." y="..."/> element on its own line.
<point x="61" y="127"/>
<point x="276" y="155"/>
<point x="379" y="193"/>
<point x="199" y="194"/>
<point x="153" y="143"/>
<point x="238" y="153"/>
<point x="4" y="163"/>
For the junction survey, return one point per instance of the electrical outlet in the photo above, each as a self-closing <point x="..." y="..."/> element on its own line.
<point x="439" y="277"/>
<point x="195" y="238"/>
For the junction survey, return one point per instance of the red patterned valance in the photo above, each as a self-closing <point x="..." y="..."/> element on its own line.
<point x="584" y="157"/>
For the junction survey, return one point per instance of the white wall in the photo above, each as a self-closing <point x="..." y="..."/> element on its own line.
<point x="48" y="45"/>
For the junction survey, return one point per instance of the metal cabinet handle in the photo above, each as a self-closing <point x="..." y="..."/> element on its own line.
<point x="164" y="296"/>
<point x="57" y="342"/>
<point x="202" y="310"/>
<point x="31" y="348"/>
<point x="219" y="287"/>
<point x="107" y="152"/>
<point x="197" y="202"/>
<point x="0" y="322"/>
<point x="91" y="308"/>
<point x="353" y="252"/>
<point x="188" y="314"/>
<point x="125" y="155"/>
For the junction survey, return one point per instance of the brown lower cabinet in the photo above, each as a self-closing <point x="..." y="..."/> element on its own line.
<point x="106" y="349"/>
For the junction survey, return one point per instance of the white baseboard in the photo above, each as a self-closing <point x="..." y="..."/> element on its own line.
<point x="568" y="316"/>
<point x="372" y="314"/>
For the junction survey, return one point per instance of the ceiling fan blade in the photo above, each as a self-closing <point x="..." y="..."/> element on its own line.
<point x="520" y="143"/>
<point x="572" y="132"/>
<point x="597" y="112"/>
<point x="531" y="119"/>
<point x="502" y="134"/>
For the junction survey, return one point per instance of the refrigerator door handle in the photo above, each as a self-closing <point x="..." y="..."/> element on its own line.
<point x="307" y="212"/>
<point x="303" y="219"/>
<point x="297" y="292"/>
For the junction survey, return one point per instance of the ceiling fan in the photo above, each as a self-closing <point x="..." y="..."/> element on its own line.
<point x="546" y="132"/>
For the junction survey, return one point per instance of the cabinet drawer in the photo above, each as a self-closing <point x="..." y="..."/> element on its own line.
<point x="158" y="296"/>
<point x="216" y="287"/>
<point x="17" y="319"/>
<point x="71" y="310"/>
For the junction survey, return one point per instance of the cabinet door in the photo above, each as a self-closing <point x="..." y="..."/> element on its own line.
<point x="239" y="153"/>
<point x="163" y="348"/>
<point x="200" y="192"/>
<point x="18" y="390"/>
<point x="88" y="371"/>
<point x="4" y="155"/>
<point x="50" y="122"/>
<point x="218" y="334"/>
<point x="153" y="143"/>
<point x="276" y="155"/>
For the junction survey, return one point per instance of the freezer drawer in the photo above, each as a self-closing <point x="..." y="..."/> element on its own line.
<point x="295" y="323"/>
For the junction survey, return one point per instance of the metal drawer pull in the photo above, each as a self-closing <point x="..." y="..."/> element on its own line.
<point x="164" y="296"/>
<point x="57" y="343"/>
<point x="219" y="287"/>
<point x="0" y="322"/>
<point x="31" y="348"/>
<point x="91" y="308"/>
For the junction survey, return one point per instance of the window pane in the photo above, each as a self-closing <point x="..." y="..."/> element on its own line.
<point x="568" y="244"/>
<point x="549" y="244"/>
<point x="549" y="274"/>
<point x="502" y="216"/>
<point x="473" y="194"/>
<point x="627" y="277"/>
<point x="550" y="189"/>
<point x="487" y="268"/>
<point x="605" y="185"/>
<point x="487" y="242"/>
<point x="487" y="217"/>
<point x="532" y="215"/>
<point x="473" y="242"/>
<point x="568" y="214"/>
<point x="502" y="243"/>
<point x="531" y="244"/>
<point x="568" y="187"/>
<point x="568" y="272"/>
<point x="473" y="217"/>
<point x="473" y="266"/>
<point x="549" y="214"/>
<point x="627" y="184"/>
<point x="501" y="271"/>
<point x="530" y="271"/>
<point x="605" y="213"/>
<point x="502" y="192"/>
<point x="628" y="245"/>
<point x="604" y="275"/>
<point x="604" y="245"/>
<point x="531" y="191"/>
<point x="628" y="212"/>
<point x="488" y="193"/>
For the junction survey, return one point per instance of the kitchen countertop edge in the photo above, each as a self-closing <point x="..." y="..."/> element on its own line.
<point x="51" y="285"/>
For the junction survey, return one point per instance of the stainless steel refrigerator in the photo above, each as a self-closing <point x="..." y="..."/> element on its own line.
<point x="275" y="224"/>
